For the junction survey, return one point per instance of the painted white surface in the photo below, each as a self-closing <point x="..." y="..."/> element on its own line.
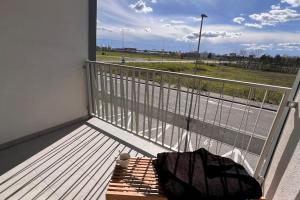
<point x="150" y="149"/>
<point x="43" y="45"/>
<point x="283" y="179"/>
<point x="78" y="166"/>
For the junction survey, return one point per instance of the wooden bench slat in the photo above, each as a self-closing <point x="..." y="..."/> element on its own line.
<point x="138" y="181"/>
<point x="133" y="184"/>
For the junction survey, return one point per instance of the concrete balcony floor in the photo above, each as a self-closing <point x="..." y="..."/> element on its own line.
<point x="72" y="163"/>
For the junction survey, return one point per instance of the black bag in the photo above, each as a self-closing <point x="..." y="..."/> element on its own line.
<point x="202" y="175"/>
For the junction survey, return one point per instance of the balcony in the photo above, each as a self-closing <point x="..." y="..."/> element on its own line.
<point x="78" y="165"/>
<point x="144" y="112"/>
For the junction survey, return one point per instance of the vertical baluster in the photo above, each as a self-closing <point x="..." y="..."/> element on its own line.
<point x="122" y="97"/>
<point x="97" y="90"/>
<point x="146" y="102"/>
<point x="179" y="112"/>
<point x="246" y="125"/>
<point x="175" y="111"/>
<point x="137" y="106"/>
<point x="239" y="129"/>
<point x="226" y="124"/>
<point x="198" y="113"/>
<point x="159" y="106"/>
<point x="152" y="101"/>
<point x="255" y="124"/>
<point x="111" y="93"/>
<point x="205" y="110"/>
<point x="116" y="97"/>
<point x="166" y="115"/>
<point x="184" y="131"/>
<point x="126" y="103"/>
<point x="215" y="117"/>
<point x="89" y="87"/>
<point x="132" y="99"/>
<point x="106" y="92"/>
<point x="102" y="92"/>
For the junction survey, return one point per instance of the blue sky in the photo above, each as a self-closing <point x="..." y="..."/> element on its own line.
<point x="268" y="27"/>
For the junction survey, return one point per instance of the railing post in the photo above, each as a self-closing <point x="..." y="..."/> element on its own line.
<point x="88" y="80"/>
<point x="275" y="132"/>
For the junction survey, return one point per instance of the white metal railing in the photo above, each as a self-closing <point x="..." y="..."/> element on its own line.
<point x="184" y="112"/>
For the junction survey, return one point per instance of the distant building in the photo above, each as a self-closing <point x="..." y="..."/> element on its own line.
<point x="125" y="49"/>
<point x="232" y="54"/>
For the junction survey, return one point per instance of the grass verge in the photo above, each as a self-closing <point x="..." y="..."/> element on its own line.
<point x="270" y="78"/>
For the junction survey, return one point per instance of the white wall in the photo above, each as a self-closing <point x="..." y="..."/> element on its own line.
<point x="283" y="178"/>
<point x="43" y="45"/>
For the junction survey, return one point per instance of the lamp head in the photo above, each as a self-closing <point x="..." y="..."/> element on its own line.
<point x="203" y="15"/>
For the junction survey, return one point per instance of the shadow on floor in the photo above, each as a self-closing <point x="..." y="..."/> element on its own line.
<point x="16" y="154"/>
<point x="77" y="166"/>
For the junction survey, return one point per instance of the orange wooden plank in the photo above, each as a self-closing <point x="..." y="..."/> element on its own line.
<point x="138" y="181"/>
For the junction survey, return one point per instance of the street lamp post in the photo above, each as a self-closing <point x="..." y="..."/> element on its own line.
<point x="200" y="32"/>
<point x="123" y="58"/>
<point x="192" y="94"/>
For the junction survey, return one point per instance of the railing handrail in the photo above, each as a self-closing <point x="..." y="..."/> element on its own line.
<point x="251" y="84"/>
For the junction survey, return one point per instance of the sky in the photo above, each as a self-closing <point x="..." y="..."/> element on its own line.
<point x="268" y="27"/>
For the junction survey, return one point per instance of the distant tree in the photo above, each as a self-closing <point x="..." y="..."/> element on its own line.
<point x="257" y="52"/>
<point x="98" y="48"/>
<point x="243" y="53"/>
<point x="242" y="56"/>
<point x="209" y="56"/>
<point x="277" y="59"/>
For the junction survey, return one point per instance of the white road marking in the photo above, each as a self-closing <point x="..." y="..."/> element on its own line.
<point x="167" y="126"/>
<point x="182" y="138"/>
<point x="129" y="121"/>
<point x="236" y="154"/>
<point x="190" y="143"/>
<point x="152" y="129"/>
<point x="232" y="107"/>
<point x="206" y="141"/>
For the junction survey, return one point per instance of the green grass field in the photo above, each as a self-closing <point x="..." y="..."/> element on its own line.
<point x="116" y="56"/>
<point x="270" y="78"/>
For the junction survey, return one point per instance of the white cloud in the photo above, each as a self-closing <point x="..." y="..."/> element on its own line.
<point x="239" y="20"/>
<point x="293" y="3"/>
<point x="275" y="7"/>
<point x="141" y="7"/>
<point x="105" y="29"/>
<point x="196" y="19"/>
<point x="167" y="25"/>
<point x="222" y="34"/>
<point x="253" y="25"/>
<point x="289" y="46"/>
<point x="127" y="29"/>
<point x="254" y="46"/>
<point x="286" y="46"/>
<point x="210" y="34"/>
<point x="153" y="1"/>
<point x="191" y="37"/>
<point x="176" y="22"/>
<point x="276" y="16"/>
<point x="147" y="29"/>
